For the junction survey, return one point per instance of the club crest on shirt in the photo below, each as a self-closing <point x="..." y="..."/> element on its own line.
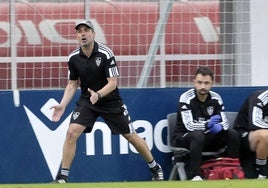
<point x="75" y="115"/>
<point x="98" y="61"/>
<point x="210" y="110"/>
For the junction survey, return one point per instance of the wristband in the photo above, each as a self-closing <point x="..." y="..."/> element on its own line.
<point x="99" y="96"/>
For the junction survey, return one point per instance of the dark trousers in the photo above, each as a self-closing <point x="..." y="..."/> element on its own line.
<point x="197" y="142"/>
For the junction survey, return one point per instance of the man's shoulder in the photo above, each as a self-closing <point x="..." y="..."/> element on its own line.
<point x="107" y="51"/>
<point x="187" y="95"/>
<point x="217" y="97"/>
<point x="74" y="53"/>
<point x="190" y="91"/>
<point x="214" y="94"/>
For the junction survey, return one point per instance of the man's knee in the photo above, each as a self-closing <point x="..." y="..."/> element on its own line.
<point x="259" y="137"/>
<point x="198" y="136"/>
<point x="74" y="131"/>
<point x="262" y="135"/>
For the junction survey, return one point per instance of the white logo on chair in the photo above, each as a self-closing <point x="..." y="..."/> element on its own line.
<point x="210" y="110"/>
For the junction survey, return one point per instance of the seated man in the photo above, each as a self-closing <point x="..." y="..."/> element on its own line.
<point x="202" y="124"/>
<point x="252" y="125"/>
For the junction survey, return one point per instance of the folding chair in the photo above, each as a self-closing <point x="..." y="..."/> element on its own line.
<point x="231" y="118"/>
<point x="178" y="167"/>
<point x="178" y="152"/>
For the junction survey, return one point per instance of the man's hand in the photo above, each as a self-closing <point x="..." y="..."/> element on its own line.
<point x="213" y="120"/>
<point x="93" y="96"/>
<point x="57" y="113"/>
<point x="216" y="128"/>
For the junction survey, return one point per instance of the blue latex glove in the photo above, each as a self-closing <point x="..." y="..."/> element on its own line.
<point x="213" y="120"/>
<point x="216" y="128"/>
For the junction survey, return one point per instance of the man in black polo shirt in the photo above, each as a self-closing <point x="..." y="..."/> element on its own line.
<point x="93" y="65"/>
<point x="202" y="124"/>
<point x="252" y="125"/>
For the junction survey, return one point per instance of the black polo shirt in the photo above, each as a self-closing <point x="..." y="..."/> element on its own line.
<point x="93" y="71"/>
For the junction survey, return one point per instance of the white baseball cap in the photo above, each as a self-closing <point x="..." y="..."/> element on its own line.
<point x="85" y="22"/>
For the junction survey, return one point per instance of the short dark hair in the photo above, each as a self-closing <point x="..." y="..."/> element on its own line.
<point x="205" y="71"/>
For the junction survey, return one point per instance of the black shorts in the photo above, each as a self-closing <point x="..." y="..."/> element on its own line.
<point x="115" y="116"/>
<point x="244" y="144"/>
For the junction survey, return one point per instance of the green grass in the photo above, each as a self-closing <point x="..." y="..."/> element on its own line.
<point x="166" y="184"/>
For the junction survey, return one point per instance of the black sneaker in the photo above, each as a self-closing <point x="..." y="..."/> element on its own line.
<point x="157" y="173"/>
<point x="60" y="179"/>
<point x="262" y="172"/>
